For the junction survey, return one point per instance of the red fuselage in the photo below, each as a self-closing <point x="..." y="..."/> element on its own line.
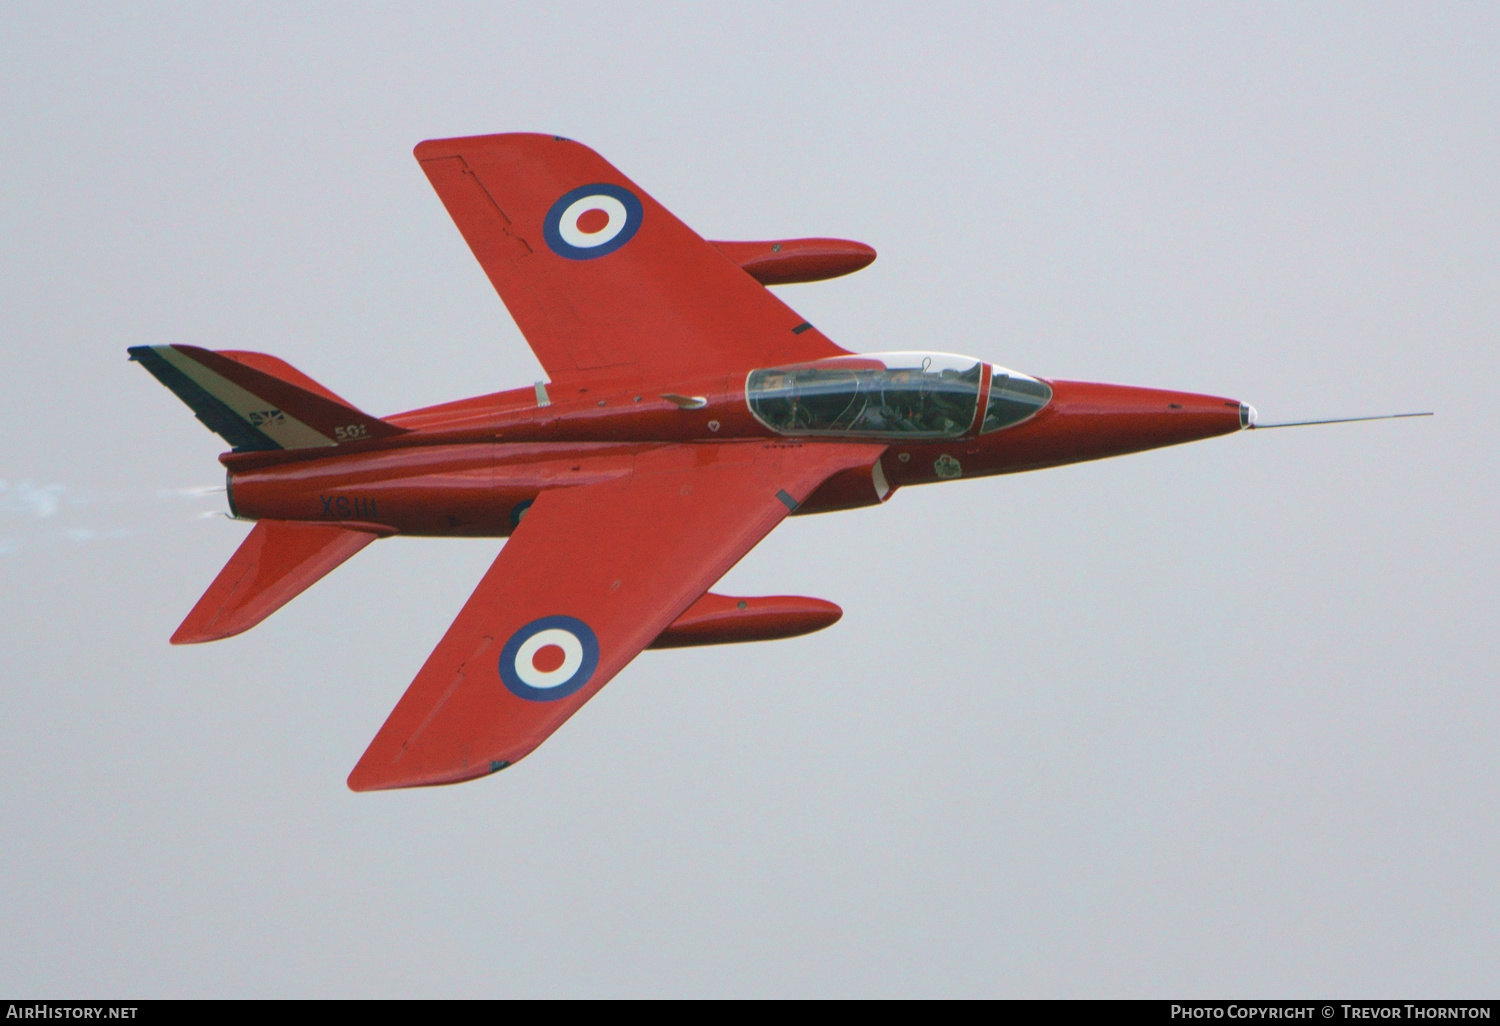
<point x="471" y="468"/>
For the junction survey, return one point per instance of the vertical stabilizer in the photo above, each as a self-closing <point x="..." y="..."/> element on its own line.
<point x="256" y="402"/>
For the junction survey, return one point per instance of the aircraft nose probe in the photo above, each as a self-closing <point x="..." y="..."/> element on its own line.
<point x="1248" y="419"/>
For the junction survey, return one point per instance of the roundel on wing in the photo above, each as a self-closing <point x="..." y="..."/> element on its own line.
<point x="549" y="658"/>
<point x="592" y="221"/>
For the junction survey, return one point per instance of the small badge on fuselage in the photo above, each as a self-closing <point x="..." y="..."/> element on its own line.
<point x="947" y="466"/>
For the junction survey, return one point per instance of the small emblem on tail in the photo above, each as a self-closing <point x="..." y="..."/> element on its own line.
<point x="592" y="221"/>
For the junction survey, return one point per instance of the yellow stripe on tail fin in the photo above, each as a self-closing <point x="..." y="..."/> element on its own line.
<point x="257" y="402"/>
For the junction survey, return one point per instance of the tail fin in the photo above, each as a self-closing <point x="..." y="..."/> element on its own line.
<point x="257" y="402"/>
<point x="277" y="561"/>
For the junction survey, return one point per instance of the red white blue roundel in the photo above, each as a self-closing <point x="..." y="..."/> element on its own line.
<point x="591" y="221"/>
<point x="549" y="658"/>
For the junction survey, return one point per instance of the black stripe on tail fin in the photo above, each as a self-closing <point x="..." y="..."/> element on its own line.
<point x="214" y="414"/>
<point x="254" y="409"/>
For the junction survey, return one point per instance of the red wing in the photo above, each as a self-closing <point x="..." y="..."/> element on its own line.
<point x="605" y="282"/>
<point x="277" y="561"/>
<point x="592" y="576"/>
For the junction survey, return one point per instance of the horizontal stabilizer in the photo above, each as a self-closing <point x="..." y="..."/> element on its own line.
<point x="790" y="261"/>
<point x="723" y="620"/>
<point x="257" y="402"/>
<point x="277" y="561"/>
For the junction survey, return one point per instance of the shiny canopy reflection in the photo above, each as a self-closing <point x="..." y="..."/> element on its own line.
<point x="881" y="395"/>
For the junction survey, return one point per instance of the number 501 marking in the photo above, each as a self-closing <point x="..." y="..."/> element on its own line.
<point x="353" y="431"/>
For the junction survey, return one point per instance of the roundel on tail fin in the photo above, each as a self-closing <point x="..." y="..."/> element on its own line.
<point x="592" y="221"/>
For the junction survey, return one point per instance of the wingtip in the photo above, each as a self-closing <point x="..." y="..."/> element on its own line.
<point x="365" y="777"/>
<point x="190" y="632"/>
<point x="208" y="624"/>
<point x="358" y="783"/>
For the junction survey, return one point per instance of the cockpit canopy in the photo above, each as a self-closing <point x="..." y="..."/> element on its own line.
<point x="889" y="395"/>
<point x="1013" y="398"/>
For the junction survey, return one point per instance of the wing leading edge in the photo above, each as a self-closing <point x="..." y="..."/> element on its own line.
<point x="601" y="279"/>
<point x="593" y="575"/>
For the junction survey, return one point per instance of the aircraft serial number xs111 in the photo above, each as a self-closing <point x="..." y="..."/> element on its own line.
<point x="687" y="411"/>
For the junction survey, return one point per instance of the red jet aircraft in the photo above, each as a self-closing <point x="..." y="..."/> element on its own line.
<point x="687" y="411"/>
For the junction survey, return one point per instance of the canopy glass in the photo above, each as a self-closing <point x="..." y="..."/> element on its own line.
<point x="877" y="395"/>
<point x="1013" y="398"/>
<point x="891" y="395"/>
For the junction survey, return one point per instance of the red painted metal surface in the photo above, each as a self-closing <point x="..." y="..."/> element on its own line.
<point x="622" y="506"/>
<point x="275" y="563"/>
<point x="676" y="525"/>
<point x="724" y="620"/>
<point x="666" y="304"/>
<point x="283" y="395"/>
<point x="279" y="368"/>
<point x="789" y="261"/>
<point x="434" y="482"/>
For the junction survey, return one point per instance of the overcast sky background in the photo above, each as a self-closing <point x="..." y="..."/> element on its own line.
<point x="1213" y="720"/>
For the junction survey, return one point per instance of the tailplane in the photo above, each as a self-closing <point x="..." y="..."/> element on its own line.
<point x="277" y="561"/>
<point x="257" y="402"/>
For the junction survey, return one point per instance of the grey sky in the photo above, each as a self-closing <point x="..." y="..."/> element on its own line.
<point x="1215" y="720"/>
